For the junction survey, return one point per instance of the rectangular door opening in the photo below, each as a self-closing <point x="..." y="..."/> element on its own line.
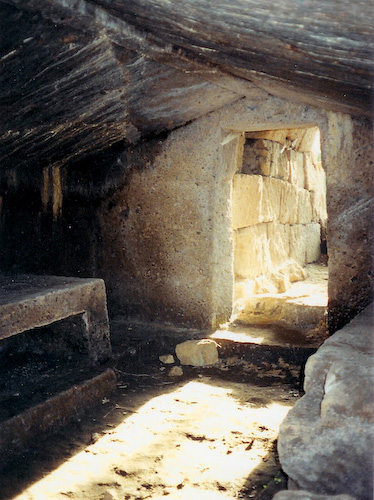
<point x="279" y="223"/>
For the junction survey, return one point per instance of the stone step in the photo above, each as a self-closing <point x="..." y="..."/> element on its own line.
<point x="41" y="420"/>
<point x="54" y="334"/>
<point x="302" y="306"/>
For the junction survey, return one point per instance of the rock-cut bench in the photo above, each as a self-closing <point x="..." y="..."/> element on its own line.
<point x="30" y="301"/>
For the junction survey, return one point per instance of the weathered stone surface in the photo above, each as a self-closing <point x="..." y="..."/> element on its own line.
<point x="288" y="203"/>
<point x="279" y="136"/>
<point x="330" y="68"/>
<point x="296" y="170"/>
<point x="272" y="195"/>
<point x="318" y="202"/>
<point x="297" y="243"/>
<point x="175" y="371"/>
<point x="312" y="242"/>
<point x="114" y="81"/>
<point x="251" y="251"/>
<point x="151" y="278"/>
<point x="305" y="138"/>
<point x="28" y="302"/>
<point x="275" y="186"/>
<point x="246" y="200"/>
<point x="244" y="288"/>
<point x="259" y="199"/>
<point x="349" y="153"/>
<point x="117" y="80"/>
<point x="289" y="272"/>
<point x="277" y="281"/>
<point x="71" y="101"/>
<point x="302" y="139"/>
<point x="279" y="242"/>
<point x="305" y="242"/>
<point x="283" y="309"/>
<point x="283" y="166"/>
<point x="306" y="495"/>
<point x="197" y="352"/>
<point x="249" y="159"/>
<point x="268" y="157"/>
<point x="326" y="441"/>
<point x="314" y="176"/>
<point x="262" y="284"/>
<point x="303" y="304"/>
<point x="304" y="207"/>
<point x="167" y="359"/>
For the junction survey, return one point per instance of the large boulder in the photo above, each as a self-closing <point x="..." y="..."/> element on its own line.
<point x="326" y="442"/>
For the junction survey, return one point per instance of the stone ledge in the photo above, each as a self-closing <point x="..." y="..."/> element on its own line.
<point x="28" y="302"/>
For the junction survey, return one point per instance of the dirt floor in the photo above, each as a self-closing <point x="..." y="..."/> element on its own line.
<point x="209" y="433"/>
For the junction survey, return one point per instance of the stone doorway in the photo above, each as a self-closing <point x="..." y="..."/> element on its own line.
<point x="279" y="221"/>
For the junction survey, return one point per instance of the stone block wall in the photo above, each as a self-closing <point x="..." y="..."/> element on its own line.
<point x="278" y="202"/>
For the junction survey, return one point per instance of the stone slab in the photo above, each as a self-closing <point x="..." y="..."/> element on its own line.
<point x="251" y="251"/>
<point x="19" y="431"/>
<point x="268" y="308"/>
<point x="288" y="209"/>
<point x="297" y="243"/>
<point x="296" y="168"/>
<point x="272" y="193"/>
<point x="312" y="242"/>
<point x="318" y="201"/>
<point x="29" y="301"/>
<point x="314" y="175"/>
<point x="246" y="200"/>
<point x="304" y="207"/>
<point x="279" y="242"/>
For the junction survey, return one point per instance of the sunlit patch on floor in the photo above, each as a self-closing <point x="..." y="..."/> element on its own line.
<point x="202" y="440"/>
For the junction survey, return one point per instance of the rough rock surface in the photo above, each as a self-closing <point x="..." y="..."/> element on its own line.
<point x="350" y="207"/>
<point x="325" y="443"/>
<point x="306" y="495"/>
<point x="167" y="359"/>
<point x="176" y="371"/>
<point x="197" y="352"/>
<point x="277" y="281"/>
